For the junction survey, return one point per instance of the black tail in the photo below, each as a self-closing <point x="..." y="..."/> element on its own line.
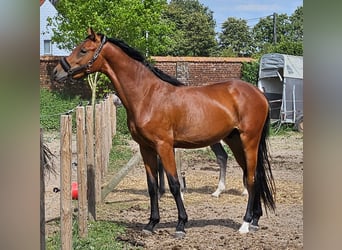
<point x="264" y="178"/>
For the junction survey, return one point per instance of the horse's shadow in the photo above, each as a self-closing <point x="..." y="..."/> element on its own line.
<point x="200" y="190"/>
<point x="192" y="223"/>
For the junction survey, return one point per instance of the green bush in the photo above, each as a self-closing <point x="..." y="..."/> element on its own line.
<point x="250" y="72"/>
<point x="53" y="105"/>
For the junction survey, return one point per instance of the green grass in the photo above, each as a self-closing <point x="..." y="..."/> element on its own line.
<point x="284" y="129"/>
<point x="101" y="236"/>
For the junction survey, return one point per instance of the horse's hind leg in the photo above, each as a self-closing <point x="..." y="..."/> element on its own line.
<point x="257" y="212"/>
<point x="221" y="158"/>
<point x="244" y="180"/>
<point x="247" y="159"/>
<point x="254" y="204"/>
<point x="150" y="161"/>
<point x="161" y="187"/>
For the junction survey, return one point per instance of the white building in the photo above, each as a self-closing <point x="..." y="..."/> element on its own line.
<point x="47" y="48"/>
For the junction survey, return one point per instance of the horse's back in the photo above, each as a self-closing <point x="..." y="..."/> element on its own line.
<point x="230" y="93"/>
<point x="213" y="111"/>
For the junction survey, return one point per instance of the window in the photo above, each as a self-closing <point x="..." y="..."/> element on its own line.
<point x="47" y="47"/>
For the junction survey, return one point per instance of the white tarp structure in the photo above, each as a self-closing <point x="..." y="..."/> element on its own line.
<point x="281" y="79"/>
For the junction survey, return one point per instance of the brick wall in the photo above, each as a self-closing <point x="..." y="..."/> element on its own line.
<point x="201" y="70"/>
<point x="47" y="64"/>
<point x="190" y="70"/>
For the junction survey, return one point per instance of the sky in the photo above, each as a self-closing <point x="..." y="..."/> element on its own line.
<point x="250" y="10"/>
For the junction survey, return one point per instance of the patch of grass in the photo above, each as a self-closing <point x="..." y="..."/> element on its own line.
<point x="282" y="129"/>
<point x="121" y="121"/>
<point x="121" y="152"/>
<point x="101" y="235"/>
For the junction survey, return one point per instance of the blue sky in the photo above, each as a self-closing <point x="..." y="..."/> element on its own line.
<point x="250" y="10"/>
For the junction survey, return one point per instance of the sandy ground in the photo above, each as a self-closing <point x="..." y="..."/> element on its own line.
<point x="213" y="222"/>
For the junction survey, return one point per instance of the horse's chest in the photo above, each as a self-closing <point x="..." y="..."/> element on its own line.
<point x="137" y="132"/>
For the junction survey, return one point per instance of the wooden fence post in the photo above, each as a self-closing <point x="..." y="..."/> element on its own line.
<point x="109" y="129"/>
<point x="103" y="142"/>
<point x="42" y="193"/>
<point x="178" y="157"/>
<point x="89" y="131"/>
<point x="98" y="152"/>
<point x="65" y="155"/>
<point x="113" y="115"/>
<point x="81" y="173"/>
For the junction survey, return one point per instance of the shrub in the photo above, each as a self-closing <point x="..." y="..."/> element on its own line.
<point x="53" y="105"/>
<point x="250" y="72"/>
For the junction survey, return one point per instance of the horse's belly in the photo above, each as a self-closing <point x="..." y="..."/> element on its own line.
<point x="201" y="136"/>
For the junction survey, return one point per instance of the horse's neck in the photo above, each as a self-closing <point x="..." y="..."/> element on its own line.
<point x="129" y="78"/>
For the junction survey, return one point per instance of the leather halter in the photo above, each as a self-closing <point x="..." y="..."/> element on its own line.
<point x="74" y="71"/>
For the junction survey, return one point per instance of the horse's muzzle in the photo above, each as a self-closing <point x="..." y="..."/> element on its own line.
<point x="59" y="75"/>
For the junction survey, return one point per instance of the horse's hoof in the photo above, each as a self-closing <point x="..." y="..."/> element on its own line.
<point x="215" y="194"/>
<point x="253" y="228"/>
<point x="244" y="228"/>
<point x="179" y="234"/>
<point x="147" y="232"/>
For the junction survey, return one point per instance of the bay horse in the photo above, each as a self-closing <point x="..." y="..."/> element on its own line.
<point x="221" y="159"/>
<point x="162" y="116"/>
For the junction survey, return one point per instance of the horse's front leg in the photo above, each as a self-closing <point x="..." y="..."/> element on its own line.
<point x="167" y="157"/>
<point x="150" y="161"/>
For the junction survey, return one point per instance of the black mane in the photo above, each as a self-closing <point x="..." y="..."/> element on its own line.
<point x="136" y="55"/>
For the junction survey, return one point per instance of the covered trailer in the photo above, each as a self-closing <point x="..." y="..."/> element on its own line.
<point x="281" y="80"/>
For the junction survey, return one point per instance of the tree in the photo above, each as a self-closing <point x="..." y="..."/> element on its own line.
<point x="263" y="30"/>
<point x="284" y="47"/>
<point x="297" y="20"/>
<point x="195" y="28"/>
<point x="289" y="34"/>
<point x="236" y="37"/>
<point x="138" y="22"/>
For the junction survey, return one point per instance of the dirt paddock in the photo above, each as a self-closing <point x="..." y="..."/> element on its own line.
<point x="213" y="222"/>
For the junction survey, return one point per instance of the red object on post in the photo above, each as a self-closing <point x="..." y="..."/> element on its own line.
<point x="74" y="190"/>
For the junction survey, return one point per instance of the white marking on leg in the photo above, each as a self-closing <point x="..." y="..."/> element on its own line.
<point x="220" y="188"/>
<point x="244" y="228"/>
<point x="245" y="192"/>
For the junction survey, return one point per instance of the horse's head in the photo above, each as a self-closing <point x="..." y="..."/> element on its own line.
<point x="83" y="60"/>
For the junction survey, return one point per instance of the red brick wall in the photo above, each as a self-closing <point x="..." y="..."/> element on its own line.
<point x="190" y="70"/>
<point x="47" y="64"/>
<point x="201" y="70"/>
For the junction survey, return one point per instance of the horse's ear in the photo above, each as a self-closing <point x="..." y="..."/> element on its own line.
<point x="91" y="33"/>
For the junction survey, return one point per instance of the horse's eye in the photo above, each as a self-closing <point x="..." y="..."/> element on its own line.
<point x="83" y="51"/>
